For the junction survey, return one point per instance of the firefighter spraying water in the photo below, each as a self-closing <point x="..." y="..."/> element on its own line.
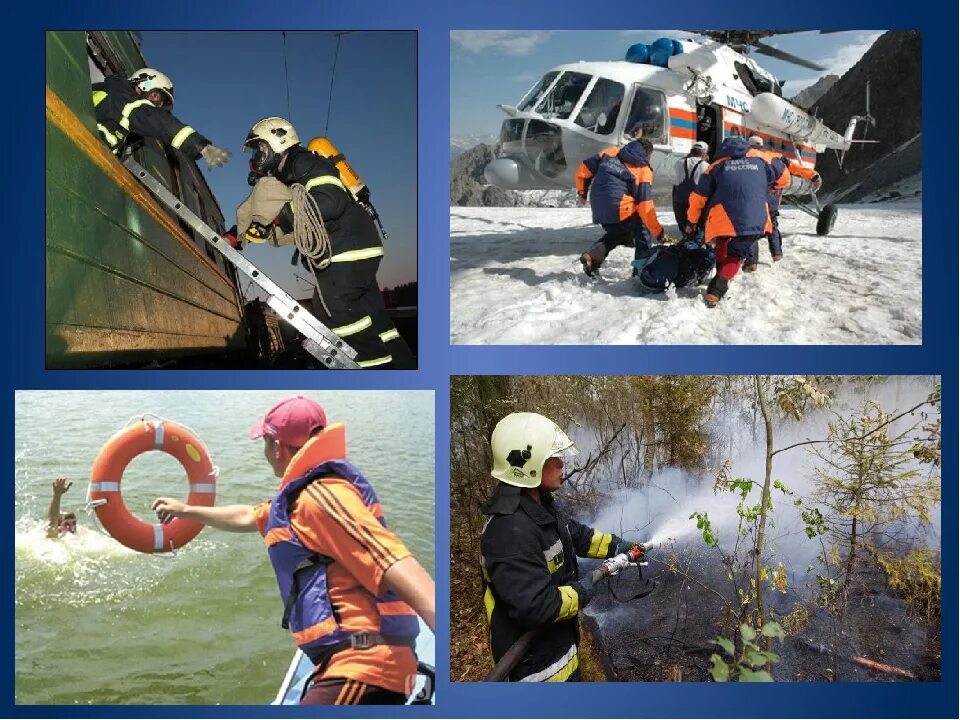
<point x="533" y="588"/>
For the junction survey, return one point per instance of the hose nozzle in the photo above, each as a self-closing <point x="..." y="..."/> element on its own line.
<point x="646" y="547"/>
<point x="636" y="552"/>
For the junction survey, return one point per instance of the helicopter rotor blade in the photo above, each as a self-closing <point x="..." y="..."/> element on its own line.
<point x="773" y="52"/>
<point x="740" y="38"/>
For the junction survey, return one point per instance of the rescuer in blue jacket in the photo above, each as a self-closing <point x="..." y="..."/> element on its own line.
<point x="732" y="193"/>
<point x="785" y="169"/>
<point x="621" y="202"/>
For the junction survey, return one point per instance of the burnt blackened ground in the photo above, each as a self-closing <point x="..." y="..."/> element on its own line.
<point x="668" y="635"/>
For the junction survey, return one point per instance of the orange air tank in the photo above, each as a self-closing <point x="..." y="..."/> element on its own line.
<point x="323" y="147"/>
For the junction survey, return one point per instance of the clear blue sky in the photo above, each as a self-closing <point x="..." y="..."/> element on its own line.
<point x="492" y="67"/>
<point x="226" y="81"/>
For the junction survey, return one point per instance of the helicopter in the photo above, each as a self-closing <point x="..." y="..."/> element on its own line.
<point x="683" y="91"/>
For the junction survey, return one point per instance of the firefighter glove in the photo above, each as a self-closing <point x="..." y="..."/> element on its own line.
<point x="231" y="237"/>
<point x="585" y="592"/>
<point x="258" y="233"/>
<point x="215" y="156"/>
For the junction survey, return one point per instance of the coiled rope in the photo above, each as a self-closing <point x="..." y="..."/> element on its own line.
<point x="310" y="235"/>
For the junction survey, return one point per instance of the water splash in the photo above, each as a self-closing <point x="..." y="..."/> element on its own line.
<point x="33" y="545"/>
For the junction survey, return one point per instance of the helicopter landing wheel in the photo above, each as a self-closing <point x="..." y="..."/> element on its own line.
<point x="827" y="219"/>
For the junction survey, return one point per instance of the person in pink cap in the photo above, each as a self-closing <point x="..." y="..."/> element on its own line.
<point x="351" y="590"/>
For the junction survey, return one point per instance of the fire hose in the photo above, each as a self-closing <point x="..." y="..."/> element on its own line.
<point x="634" y="557"/>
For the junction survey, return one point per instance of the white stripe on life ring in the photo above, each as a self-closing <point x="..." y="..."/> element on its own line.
<point x="203" y="487"/>
<point x="158" y="436"/>
<point x="158" y="537"/>
<point x="105" y="487"/>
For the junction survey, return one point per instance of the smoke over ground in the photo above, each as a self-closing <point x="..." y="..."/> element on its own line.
<point x="685" y="613"/>
<point x="660" y="510"/>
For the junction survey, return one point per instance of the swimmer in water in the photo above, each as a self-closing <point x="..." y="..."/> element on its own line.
<point x="60" y="523"/>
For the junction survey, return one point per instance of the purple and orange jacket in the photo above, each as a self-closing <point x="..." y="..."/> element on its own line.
<point x="733" y="192"/>
<point x="620" y="185"/>
<point x="327" y="510"/>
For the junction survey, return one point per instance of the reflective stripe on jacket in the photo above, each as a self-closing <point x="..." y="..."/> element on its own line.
<point x="120" y="112"/>
<point x="353" y="235"/>
<point x="528" y="561"/>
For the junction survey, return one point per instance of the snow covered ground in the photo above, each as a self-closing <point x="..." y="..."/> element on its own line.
<point x="515" y="279"/>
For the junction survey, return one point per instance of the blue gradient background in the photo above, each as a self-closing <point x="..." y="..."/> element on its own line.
<point x="24" y="303"/>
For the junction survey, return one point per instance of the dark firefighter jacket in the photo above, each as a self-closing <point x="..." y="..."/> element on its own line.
<point x="353" y="236"/>
<point x="732" y="192"/>
<point x="529" y="560"/>
<point x="121" y="112"/>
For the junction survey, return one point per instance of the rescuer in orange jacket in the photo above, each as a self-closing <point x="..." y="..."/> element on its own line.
<point x="621" y="202"/>
<point x="732" y="192"/>
<point x="588" y="167"/>
<point x="786" y="168"/>
<point x="351" y="589"/>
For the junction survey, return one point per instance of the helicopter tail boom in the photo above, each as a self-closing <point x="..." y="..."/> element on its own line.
<point x="772" y="111"/>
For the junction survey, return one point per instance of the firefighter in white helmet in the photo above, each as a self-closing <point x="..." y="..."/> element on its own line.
<point x="140" y="106"/>
<point x="346" y="274"/>
<point x="529" y="551"/>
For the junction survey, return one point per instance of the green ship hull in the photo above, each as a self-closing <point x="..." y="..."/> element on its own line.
<point x="126" y="283"/>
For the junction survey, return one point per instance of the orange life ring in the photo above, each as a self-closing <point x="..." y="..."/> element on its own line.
<point x="107" y="473"/>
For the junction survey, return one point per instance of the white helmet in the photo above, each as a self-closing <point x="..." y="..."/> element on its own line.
<point x="701" y="145"/>
<point x="278" y="133"/>
<point x="756" y="141"/>
<point x="148" y="79"/>
<point x="521" y="444"/>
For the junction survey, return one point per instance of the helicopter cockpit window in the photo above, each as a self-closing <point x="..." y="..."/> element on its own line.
<point x="599" y="112"/>
<point x="564" y="96"/>
<point x="650" y="108"/>
<point x="531" y="97"/>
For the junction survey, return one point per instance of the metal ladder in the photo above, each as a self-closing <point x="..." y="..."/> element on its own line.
<point x="319" y="340"/>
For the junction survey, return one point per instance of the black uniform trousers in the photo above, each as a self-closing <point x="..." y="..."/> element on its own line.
<point x="351" y="293"/>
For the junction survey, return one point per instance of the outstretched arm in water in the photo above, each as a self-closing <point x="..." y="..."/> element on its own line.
<point x="60" y="487"/>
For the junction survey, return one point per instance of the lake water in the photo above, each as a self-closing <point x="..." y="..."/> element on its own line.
<point x="97" y="623"/>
